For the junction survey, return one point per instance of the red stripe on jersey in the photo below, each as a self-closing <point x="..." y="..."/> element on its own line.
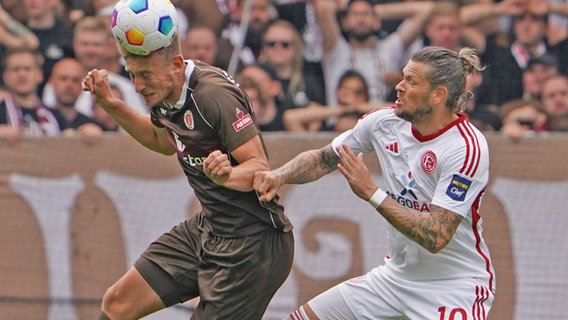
<point x="478" y="309"/>
<point x="472" y="155"/>
<point x="477" y="148"/>
<point x="475" y="221"/>
<point x="296" y="315"/>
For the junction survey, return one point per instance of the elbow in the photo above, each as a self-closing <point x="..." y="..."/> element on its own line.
<point x="436" y="247"/>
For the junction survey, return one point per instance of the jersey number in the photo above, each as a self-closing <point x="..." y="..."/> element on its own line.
<point x="457" y="311"/>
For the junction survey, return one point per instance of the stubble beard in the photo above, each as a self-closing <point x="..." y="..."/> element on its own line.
<point x="418" y="115"/>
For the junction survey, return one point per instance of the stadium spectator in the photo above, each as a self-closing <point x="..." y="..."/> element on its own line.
<point x="485" y="117"/>
<point x="65" y="79"/>
<point x="503" y="78"/>
<point x="272" y="103"/>
<point x="21" y="110"/>
<point x="379" y="60"/>
<point x="302" y="15"/>
<point x="54" y="36"/>
<point x="200" y="43"/>
<point x="538" y="69"/>
<point x="282" y="49"/>
<point x="435" y="170"/>
<point x="202" y="116"/>
<point x="352" y="95"/>
<point x="555" y="95"/>
<point x="523" y="118"/>
<point x="260" y="14"/>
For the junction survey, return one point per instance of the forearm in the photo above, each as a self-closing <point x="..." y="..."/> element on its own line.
<point x="139" y="127"/>
<point x="242" y="175"/>
<point x="309" y="166"/>
<point x="402" y="10"/>
<point x="297" y="119"/>
<point x="432" y="231"/>
<point x="16" y="34"/>
<point x="476" y="13"/>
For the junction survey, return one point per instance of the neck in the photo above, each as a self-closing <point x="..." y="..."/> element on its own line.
<point x="68" y="112"/>
<point x="435" y="123"/>
<point x="363" y="44"/>
<point x="28" y="101"/>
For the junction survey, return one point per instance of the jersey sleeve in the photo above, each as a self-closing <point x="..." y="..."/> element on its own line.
<point x="463" y="178"/>
<point x="359" y="139"/>
<point x="227" y="110"/>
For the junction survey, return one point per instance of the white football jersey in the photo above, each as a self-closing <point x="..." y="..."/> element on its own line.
<point x="449" y="169"/>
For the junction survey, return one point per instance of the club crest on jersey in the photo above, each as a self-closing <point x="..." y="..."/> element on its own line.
<point x="458" y="187"/>
<point x="242" y="120"/>
<point x="188" y="120"/>
<point x="428" y="162"/>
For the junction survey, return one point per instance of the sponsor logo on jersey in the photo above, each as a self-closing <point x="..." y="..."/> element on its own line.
<point x="428" y="162"/>
<point x="188" y="120"/>
<point x="419" y="206"/>
<point x="193" y="161"/>
<point x="392" y="147"/>
<point x="408" y="182"/>
<point x="458" y="188"/>
<point x="242" y="120"/>
<point x="407" y="196"/>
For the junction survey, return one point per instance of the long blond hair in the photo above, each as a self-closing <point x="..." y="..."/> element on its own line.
<point x="297" y="83"/>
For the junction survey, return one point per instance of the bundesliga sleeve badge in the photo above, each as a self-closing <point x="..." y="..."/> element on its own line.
<point x="458" y="187"/>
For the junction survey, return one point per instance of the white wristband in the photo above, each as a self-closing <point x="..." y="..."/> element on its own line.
<point x="377" y="198"/>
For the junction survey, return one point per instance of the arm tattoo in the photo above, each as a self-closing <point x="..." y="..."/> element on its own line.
<point x="432" y="231"/>
<point x="310" y="165"/>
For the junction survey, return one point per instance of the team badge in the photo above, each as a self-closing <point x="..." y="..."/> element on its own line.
<point x="188" y="120"/>
<point x="458" y="187"/>
<point x="242" y="120"/>
<point x="428" y="162"/>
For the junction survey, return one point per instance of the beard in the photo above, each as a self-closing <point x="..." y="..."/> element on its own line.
<point x="417" y="115"/>
<point x="360" y="35"/>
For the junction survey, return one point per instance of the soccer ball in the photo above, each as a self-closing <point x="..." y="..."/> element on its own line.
<point x="144" y="26"/>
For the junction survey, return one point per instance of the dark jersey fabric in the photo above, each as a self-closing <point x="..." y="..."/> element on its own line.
<point x="215" y="114"/>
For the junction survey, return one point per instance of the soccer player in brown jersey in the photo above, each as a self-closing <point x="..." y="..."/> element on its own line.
<point x="237" y="251"/>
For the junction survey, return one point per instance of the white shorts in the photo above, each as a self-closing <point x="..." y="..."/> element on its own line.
<point x="377" y="296"/>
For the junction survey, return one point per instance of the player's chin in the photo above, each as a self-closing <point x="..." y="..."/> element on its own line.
<point x="152" y="99"/>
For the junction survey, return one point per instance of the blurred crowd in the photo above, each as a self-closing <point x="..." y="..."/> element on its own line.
<point x="306" y="65"/>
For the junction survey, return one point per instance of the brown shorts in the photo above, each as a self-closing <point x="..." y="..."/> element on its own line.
<point x="235" y="278"/>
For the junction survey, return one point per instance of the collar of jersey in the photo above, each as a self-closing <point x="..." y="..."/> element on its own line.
<point x="188" y="70"/>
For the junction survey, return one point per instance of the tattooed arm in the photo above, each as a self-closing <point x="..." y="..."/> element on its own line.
<point x="306" y="167"/>
<point x="432" y="231"/>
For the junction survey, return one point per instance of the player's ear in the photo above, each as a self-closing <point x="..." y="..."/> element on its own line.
<point x="439" y="94"/>
<point x="178" y="62"/>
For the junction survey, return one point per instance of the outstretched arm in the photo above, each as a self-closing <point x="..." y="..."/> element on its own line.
<point x="306" y="167"/>
<point x="136" y="124"/>
<point x="432" y="231"/>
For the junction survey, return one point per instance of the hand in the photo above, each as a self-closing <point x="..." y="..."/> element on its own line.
<point x="356" y="172"/>
<point x="217" y="167"/>
<point x="267" y="184"/>
<point x="96" y="82"/>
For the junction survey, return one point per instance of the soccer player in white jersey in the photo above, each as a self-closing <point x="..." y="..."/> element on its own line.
<point x="435" y="166"/>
